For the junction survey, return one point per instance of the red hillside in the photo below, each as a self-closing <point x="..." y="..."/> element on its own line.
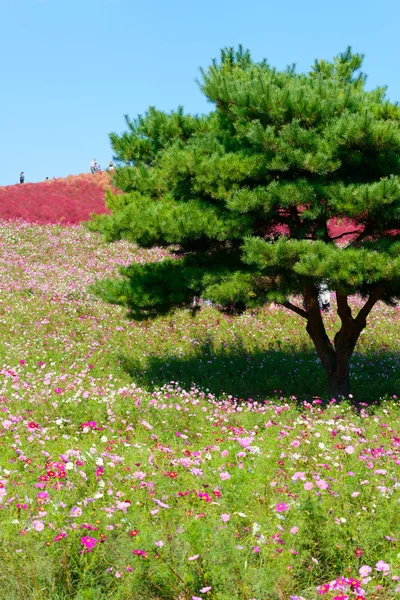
<point x="69" y="200"/>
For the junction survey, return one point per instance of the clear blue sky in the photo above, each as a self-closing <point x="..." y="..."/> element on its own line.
<point x="70" y="69"/>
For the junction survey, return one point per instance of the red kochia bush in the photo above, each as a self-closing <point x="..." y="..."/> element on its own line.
<point x="67" y="201"/>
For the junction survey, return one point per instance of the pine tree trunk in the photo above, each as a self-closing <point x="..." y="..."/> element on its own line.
<point x="335" y="357"/>
<point x="339" y="385"/>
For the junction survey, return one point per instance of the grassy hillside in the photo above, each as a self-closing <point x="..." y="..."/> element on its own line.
<point x="129" y="470"/>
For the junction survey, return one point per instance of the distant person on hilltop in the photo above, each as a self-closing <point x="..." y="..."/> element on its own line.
<point x="110" y="166"/>
<point x="22" y="177"/>
<point x="93" y="166"/>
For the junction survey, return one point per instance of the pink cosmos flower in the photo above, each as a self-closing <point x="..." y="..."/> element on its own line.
<point x="195" y="557"/>
<point x="162" y="504"/>
<point x="245" y="442"/>
<point x="299" y="475"/>
<point x="308" y="485"/>
<point x="38" y="525"/>
<point x="225" y="517"/>
<point x="349" y="449"/>
<point x="382" y="567"/>
<point x="294" y="530"/>
<point x="224" y="475"/>
<point x="321" y="484"/>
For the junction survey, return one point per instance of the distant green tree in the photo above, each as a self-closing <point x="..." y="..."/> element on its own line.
<point x="248" y="196"/>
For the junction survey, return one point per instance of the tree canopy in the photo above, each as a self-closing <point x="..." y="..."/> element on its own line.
<point x="290" y="182"/>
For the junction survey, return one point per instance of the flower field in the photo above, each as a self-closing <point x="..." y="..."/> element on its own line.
<point x="69" y="200"/>
<point x="183" y="458"/>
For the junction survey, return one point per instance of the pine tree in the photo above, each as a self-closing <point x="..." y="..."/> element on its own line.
<point x="248" y="196"/>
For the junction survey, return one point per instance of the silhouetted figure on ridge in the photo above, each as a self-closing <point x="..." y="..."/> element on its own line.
<point x="22" y="177"/>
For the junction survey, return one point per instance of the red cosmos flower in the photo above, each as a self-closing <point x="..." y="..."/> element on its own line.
<point x="44" y="477"/>
<point x="217" y="493"/>
<point x="33" y="425"/>
<point x="60" y="536"/>
<point x="358" y="552"/>
<point x="51" y="473"/>
<point x="134" y="533"/>
<point x="354" y="583"/>
<point x="171" y="474"/>
<point x="359" y="598"/>
<point x="61" y="474"/>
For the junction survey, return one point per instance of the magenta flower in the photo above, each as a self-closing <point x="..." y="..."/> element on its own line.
<point x="142" y="553"/>
<point x="89" y="543"/>
<point x="281" y="507"/>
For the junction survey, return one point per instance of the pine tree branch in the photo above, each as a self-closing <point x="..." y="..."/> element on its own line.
<point x="343" y="308"/>
<point x="295" y="309"/>
<point x="337" y="237"/>
<point x="374" y="296"/>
